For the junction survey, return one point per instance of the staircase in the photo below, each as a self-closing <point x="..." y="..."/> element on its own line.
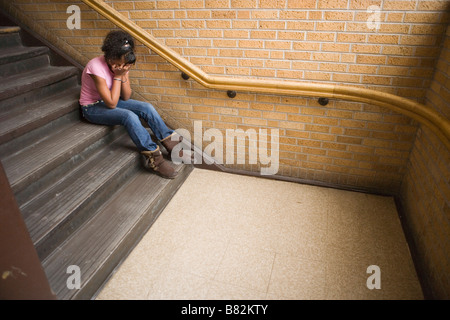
<point x="81" y="188"/>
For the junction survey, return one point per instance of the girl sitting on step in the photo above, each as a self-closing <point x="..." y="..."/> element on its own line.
<point x="105" y="99"/>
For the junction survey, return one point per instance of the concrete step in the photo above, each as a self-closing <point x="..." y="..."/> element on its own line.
<point x="81" y="188"/>
<point x="24" y="64"/>
<point x="110" y="235"/>
<point x="13" y="54"/>
<point x="30" y="163"/>
<point x="65" y="205"/>
<point x="15" y="122"/>
<point x="39" y="93"/>
<point x="27" y="81"/>
<point x="9" y="36"/>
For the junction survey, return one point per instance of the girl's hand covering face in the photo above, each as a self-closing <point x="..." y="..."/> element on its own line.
<point x="121" y="69"/>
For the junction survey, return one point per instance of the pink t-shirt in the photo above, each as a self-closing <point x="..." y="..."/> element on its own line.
<point x="98" y="67"/>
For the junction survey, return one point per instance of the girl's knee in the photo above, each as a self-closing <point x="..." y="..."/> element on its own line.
<point x="149" y="107"/>
<point x="149" y="112"/>
<point x="142" y="107"/>
<point x="129" y="117"/>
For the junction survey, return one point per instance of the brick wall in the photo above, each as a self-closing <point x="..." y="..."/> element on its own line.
<point x="352" y="145"/>
<point x="425" y="193"/>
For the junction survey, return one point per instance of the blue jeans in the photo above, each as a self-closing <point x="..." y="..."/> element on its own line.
<point x="128" y="114"/>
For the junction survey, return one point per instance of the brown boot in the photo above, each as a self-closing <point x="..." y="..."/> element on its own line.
<point x="169" y="144"/>
<point x="154" y="161"/>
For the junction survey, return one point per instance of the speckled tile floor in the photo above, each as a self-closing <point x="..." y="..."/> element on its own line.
<point x="233" y="237"/>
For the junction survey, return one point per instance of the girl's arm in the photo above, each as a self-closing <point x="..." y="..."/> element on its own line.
<point x="109" y="97"/>
<point x="126" y="87"/>
<point x="120" y="87"/>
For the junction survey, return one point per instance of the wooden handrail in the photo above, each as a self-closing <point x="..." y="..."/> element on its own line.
<point x="438" y="123"/>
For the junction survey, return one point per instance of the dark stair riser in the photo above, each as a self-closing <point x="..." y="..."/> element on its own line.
<point x="10" y="148"/>
<point x="14" y="54"/>
<point x="10" y="40"/>
<point x="92" y="183"/>
<point x="38" y="94"/>
<point x="58" y="165"/>
<point x="34" y="116"/>
<point x="130" y="215"/>
<point x="34" y="162"/>
<point x="34" y="79"/>
<point x="16" y="67"/>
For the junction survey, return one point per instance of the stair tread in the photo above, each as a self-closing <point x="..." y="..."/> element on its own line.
<point x="56" y="148"/>
<point x="117" y="219"/>
<point x="18" y="120"/>
<point x="26" y="81"/>
<point x="46" y="210"/>
<point x="18" y="53"/>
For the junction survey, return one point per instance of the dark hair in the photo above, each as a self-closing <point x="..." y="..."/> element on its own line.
<point x="117" y="44"/>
